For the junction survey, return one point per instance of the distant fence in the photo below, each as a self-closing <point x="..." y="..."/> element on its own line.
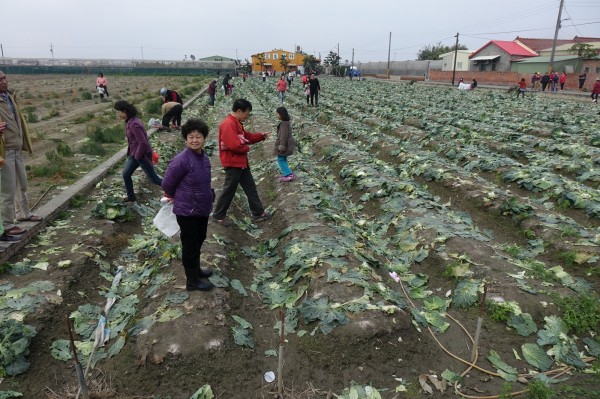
<point x="83" y="66"/>
<point x="400" y="68"/>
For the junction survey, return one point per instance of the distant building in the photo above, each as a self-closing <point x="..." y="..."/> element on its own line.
<point x="216" y="58"/>
<point x="497" y="55"/>
<point x="565" y="49"/>
<point x="562" y="63"/>
<point x="462" y="60"/>
<point x="272" y="61"/>
<point x="537" y="45"/>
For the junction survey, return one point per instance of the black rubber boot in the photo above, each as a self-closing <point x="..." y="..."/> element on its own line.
<point x="205" y="273"/>
<point x="194" y="282"/>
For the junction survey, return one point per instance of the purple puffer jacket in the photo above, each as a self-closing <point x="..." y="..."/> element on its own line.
<point x="187" y="181"/>
<point x="138" y="146"/>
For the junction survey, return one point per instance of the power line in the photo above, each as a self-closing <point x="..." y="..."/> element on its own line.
<point x="571" y="20"/>
<point x="529" y="30"/>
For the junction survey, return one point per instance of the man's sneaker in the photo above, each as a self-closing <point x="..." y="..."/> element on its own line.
<point x="223" y="222"/>
<point x="262" y="217"/>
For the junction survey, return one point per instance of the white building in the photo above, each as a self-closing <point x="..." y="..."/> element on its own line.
<point x="462" y="60"/>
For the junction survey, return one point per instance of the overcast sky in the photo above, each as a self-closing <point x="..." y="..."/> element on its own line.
<point x="171" y="29"/>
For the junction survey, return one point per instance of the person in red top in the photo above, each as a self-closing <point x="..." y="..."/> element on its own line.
<point x="562" y="80"/>
<point x="234" y="145"/>
<point x="281" y="87"/>
<point x="522" y="88"/>
<point x="596" y="90"/>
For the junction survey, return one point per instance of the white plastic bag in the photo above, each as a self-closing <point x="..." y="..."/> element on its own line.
<point x="166" y="221"/>
<point x="154" y="123"/>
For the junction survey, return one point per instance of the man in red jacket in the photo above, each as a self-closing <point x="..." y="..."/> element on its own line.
<point x="234" y="145"/>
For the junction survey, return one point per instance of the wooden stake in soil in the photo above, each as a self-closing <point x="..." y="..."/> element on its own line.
<point x="82" y="386"/>
<point x="280" y="363"/>
<point x="479" y="323"/>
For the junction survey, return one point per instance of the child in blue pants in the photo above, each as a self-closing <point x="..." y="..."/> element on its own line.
<point x="284" y="145"/>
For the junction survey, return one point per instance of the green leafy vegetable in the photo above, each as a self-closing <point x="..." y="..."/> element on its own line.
<point x="15" y="338"/>
<point x="523" y="323"/>
<point x="536" y="356"/>
<point x="507" y="372"/>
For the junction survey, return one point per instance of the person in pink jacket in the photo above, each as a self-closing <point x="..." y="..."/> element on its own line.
<point x="102" y="82"/>
<point x="562" y="80"/>
<point x="281" y="87"/>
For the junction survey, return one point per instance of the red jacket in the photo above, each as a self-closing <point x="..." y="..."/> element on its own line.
<point x="281" y="85"/>
<point x="563" y="78"/>
<point x="234" y="143"/>
<point x="596" y="89"/>
<point x="522" y="84"/>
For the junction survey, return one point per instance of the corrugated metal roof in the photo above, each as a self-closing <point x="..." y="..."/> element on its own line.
<point x="511" y="48"/>
<point x="485" y="57"/>
<point x="546" y="59"/>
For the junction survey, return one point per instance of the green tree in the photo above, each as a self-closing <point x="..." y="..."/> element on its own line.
<point x="284" y="62"/>
<point x="260" y="57"/>
<point x="585" y="51"/>
<point x="433" y="51"/>
<point x="332" y="59"/>
<point x="311" y="64"/>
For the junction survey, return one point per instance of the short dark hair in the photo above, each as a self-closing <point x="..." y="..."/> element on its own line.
<point x="283" y="112"/>
<point x="241" y="104"/>
<point x="129" y="109"/>
<point x="192" y="125"/>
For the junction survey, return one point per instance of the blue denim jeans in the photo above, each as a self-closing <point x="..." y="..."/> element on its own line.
<point x="283" y="165"/>
<point x="281" y="95"/>
<point x="130" y="166"/>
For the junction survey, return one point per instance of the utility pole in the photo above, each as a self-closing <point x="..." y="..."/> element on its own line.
<point x="551" y="66"/>
<point x="52" y="51"/>
<point x="142" y="49"/>
<point x="455" y="54"/>
<point x="387" y="74"/>
<point x="2" y="49"/>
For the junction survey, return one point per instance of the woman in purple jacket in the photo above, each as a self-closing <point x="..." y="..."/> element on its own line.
<point x="188" y="182"/>
<point x="139" y="152"/>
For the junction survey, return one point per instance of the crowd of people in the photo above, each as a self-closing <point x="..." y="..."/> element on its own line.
<point x="187" y="180"/>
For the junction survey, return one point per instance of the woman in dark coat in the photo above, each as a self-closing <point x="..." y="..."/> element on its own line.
<point x="139" y="151"/>
<point x="188" y="182"/>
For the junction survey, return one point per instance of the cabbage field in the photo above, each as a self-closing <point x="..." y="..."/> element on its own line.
<point x="437" y="243"/>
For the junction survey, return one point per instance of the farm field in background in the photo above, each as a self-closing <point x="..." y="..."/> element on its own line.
<point x="73" y="130"/>
<point x="410" y="202"/>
